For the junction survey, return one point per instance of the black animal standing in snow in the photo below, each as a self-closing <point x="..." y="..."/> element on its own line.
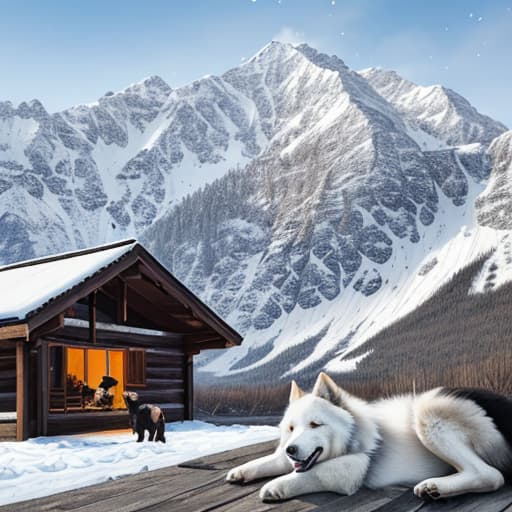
<point x="145" y="417"/>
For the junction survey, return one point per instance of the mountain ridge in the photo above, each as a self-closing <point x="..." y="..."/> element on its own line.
<point x="289" y="193"/>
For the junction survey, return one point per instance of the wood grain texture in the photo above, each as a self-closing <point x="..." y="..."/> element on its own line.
<point x="8" y="431"/>
<point x="14" y="332"/>
<point x="199" y="486"/>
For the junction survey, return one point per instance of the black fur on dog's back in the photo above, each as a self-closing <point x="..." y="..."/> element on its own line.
<point x="496" y="406"/>
<point x="142" y="418"/>
<point x="145" y="422"/>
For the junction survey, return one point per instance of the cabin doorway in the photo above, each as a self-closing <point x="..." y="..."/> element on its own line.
<point x="75" y="373"/>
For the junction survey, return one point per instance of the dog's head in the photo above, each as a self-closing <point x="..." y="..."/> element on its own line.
<point x="315" y="426"/>
<point x="131" y="399"/>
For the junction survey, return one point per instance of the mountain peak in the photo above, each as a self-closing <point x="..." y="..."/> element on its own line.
<point x="437" y="110"/>
<point x="382" y="79"/>
<point x="272" y="51"/>
<point x="151" y="85"/>
<point x="33" y="109"/>
<point x="322" y="60"/>
<point x="329" y="199"/>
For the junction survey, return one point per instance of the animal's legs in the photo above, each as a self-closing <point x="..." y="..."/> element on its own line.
<point x="272" y="465"/>
<point x="343" y="475"/>
<point x="160" y="431"/>
<point x="447" y="433"/>
<point x="152" y="431"/>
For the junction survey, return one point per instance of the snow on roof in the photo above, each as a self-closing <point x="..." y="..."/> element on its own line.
<point x="26" y="286"/>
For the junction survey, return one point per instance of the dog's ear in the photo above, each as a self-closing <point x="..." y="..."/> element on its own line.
<point x="295" y="392"/>
<point x="327" y="389"/>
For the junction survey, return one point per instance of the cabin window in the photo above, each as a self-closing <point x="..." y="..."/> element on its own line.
<point x="136" y="368"/>
<point x="75" y="373"/>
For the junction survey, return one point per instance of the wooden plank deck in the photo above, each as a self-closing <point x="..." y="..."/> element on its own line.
<point x="198" y="486"/>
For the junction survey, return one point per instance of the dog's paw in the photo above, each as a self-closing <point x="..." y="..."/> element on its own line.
<point x="428" y="490"/>
<point x="274" y="491"/>
<point x="237" y="476"/>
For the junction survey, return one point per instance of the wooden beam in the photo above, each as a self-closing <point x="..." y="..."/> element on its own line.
<point x="43" y="406"/>
<point x="194" y="348"/>
<point x="156" y="312"/>
<point x="21" y="391"/>
<point x="189" y="388"/>
<point x="79" y="336"/>
<point x="201" y="336"/>
<point x="155" y="294"/>
<point x="170" y="310"/>
<point x="92" y="317"/>
<point x="132" y="273"/>
<point x="54" y="324"/>
<point x="171" y="285"/>
<point x="122" y="302"/>
<point x="14" y="332"/>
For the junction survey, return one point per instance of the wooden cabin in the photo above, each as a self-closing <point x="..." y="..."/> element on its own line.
<point x="69" y="320"/>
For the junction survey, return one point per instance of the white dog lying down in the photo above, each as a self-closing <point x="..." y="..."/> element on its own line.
<point x="451" y="441"/>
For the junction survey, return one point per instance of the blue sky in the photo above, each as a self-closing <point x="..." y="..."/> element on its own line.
<point x="73" y="51"/>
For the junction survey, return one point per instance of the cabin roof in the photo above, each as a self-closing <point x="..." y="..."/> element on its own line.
<point x="32" y="286"/>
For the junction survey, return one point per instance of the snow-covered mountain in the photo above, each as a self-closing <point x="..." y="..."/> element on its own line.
<point x="352" y="216"/>
<point x="308" y="204"/>
<point x="437" y="110"/>
<point x="100" y="172"/>
<point x="494" y="206"/>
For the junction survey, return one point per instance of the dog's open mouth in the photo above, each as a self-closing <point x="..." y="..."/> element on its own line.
<point x="302" y="465"/>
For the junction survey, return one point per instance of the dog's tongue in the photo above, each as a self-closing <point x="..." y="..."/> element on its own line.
<point x="297" y="465"/>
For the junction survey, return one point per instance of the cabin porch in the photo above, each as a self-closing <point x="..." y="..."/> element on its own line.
<point x="200" y="486"/>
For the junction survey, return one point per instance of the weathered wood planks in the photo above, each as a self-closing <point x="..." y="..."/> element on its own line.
<point x="14" y="332"/>
<point x="199" y="486"/>
<point x="8" y="431"/>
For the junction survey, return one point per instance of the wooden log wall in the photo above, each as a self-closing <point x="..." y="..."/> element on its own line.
<point x="165" y="378"/>
<point x="61" y="423"/>
<point x="8" y="430"/>
<point x="8" y="376"/>
<point x="165" y="382"/>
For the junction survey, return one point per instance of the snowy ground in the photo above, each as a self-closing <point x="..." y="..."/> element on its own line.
<point x="47" y="465"/>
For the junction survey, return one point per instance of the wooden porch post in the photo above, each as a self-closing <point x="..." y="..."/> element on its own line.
<point x="42" y="424"/>
<point x="189" y="388"/>
<point x="22" y="408"/>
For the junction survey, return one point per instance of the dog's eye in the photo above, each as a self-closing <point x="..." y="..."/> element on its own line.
<point x="290" y="428"/>
<point x="314" y="424"/>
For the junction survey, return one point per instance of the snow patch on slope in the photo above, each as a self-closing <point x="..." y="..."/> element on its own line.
<point x="352" y="318"/>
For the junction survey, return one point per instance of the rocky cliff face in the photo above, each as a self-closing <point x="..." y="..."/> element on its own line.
<point x="494" y="206"/>
<point x="306" y="203"/>
<point x="323" y="216"/>
<point x="105" y="171"/>
<point x="435" y="109"/>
